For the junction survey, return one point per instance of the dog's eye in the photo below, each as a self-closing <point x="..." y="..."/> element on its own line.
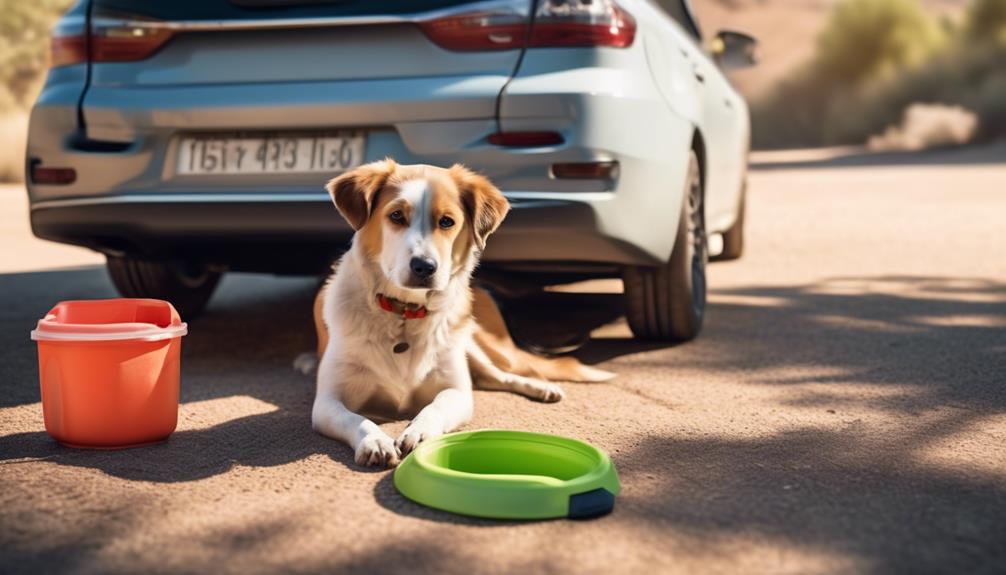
<point x="398" y="217"/>
<point x="446" y="222"/>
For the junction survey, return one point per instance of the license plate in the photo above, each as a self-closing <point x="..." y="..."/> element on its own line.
<point x="271" y="154"/>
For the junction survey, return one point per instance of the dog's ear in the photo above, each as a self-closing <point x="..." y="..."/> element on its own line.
<point x="484" y="205"/>
<point x="355" y="191"/>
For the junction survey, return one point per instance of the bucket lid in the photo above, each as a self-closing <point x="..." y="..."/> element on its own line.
<point x="110" y="320"/>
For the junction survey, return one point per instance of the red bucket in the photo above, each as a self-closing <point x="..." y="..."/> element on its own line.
<point x="109" y="371"/>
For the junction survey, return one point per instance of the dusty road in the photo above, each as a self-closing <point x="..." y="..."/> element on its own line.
<point x="844" y="411"/>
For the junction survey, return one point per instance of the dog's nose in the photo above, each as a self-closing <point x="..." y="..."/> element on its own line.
<point x="423" y="267"/>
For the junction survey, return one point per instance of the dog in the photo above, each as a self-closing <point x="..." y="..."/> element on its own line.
<point x="401" y="333"/>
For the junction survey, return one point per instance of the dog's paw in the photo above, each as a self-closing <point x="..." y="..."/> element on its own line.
<point x="549" y="392"/>
<point x="377" y="449"/>
<point x="306" y="362"/>
<point x="413" y="435"/>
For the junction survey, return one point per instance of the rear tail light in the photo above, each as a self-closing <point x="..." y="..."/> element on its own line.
<point x="493" y="25"/>
<point x="126" y="43"/>
<point x="476" y="32"/>
<point x="525" y="139"/>
<point x="503" y="25"/>
<point x="582" y="23"/>
<point x="67" y="50"/>
<point x="109" y="41"/>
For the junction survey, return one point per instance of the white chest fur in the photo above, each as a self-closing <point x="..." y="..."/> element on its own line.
<point x="362" y="337"/>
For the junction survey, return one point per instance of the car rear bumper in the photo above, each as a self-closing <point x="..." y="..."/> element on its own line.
<point x="300" y="233"/>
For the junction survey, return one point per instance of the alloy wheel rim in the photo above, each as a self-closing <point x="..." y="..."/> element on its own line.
<point x="699" y="244"/>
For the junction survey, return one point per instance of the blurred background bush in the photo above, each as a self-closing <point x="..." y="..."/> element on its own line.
<point x="24" y="31"/>
<point x="24" y="47"/>
<point x="834" y="72"/>
<point x="875" y="59"/>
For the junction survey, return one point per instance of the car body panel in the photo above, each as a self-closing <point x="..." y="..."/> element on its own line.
<point x="602" y="102"/>
<point x="300" y="78"/>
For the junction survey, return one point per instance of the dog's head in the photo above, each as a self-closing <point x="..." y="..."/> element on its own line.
<point x="419" y="223"/>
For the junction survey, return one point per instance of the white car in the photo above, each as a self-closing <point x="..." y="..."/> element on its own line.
<point x="187" y="138"/>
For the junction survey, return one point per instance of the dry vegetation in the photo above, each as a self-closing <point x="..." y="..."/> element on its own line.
<point x="14" y="131"/>
<point x="874" y="59"/>
<point x="787" y="32"/>
<point x="927" y="126"/>
<point x="24" y="31"/>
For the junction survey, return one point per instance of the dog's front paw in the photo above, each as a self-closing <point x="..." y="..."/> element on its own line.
<point x="415" y="434"/>
<point x="377" y="449"/>
<point x="549" y="392"/>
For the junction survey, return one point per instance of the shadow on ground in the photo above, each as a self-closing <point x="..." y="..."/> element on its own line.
<point x="841" y="491"/>
<point x="940" y="344"/>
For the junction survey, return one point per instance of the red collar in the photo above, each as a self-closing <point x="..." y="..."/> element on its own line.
<point x="406" y="310"/>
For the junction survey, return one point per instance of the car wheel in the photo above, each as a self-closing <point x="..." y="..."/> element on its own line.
<point x="187" y="286"/>
<point x="733" y="238"/>
<point x="668" y="302"/>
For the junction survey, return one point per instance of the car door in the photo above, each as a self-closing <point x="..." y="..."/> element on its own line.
<point x="722" y="115"/>
<point x="717" y="116"/>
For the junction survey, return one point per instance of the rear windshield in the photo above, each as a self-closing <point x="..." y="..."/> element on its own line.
<point x="265" y="9"/>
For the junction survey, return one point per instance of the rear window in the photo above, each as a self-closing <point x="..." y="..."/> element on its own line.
<point x="266" y="9"/>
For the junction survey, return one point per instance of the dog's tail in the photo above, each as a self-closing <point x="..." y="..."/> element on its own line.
<point x="307" y="362"/>
<point x="564" y="369"/>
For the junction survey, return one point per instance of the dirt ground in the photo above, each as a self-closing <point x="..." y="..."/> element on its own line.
<point x="843" y="411"/>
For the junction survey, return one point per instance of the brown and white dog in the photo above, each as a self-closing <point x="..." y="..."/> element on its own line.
<point x="400" y="332"/>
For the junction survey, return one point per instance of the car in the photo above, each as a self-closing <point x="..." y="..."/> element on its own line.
<point x="187" y="138"/>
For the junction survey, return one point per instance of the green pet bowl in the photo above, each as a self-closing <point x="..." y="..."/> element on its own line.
<point x="509" y="475"/>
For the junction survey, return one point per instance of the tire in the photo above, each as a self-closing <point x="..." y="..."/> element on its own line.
<point x="187" y="286"/>
<point x="733" y="239"/>
<point x="668" y="302"/>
